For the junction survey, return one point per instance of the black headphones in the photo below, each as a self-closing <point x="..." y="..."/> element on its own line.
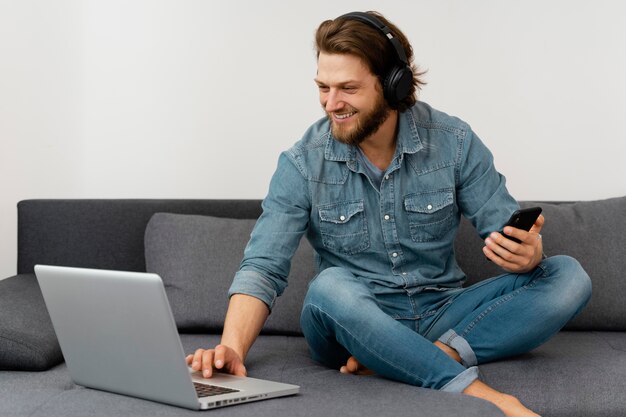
<point x="398" y="81"/>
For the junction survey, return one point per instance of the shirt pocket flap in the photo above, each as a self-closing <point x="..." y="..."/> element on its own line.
<point x="428" y="202"/>
<point x="340" y="213"/>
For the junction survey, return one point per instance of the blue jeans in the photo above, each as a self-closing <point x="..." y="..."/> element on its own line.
<point x="392" y="331"/>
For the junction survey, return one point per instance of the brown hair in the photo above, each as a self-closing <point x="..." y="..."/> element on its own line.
<point x="348" y="36"/>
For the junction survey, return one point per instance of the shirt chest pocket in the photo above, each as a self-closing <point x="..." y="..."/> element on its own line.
<point x="343" y="226"/>
<point x="430" y="214"/>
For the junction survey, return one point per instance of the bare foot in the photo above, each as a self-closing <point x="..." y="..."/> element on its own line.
<point x="509" y="405"/>
<point x="355" y="368"/>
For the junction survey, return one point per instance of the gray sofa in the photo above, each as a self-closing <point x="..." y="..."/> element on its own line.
<point x="196" y="246"/>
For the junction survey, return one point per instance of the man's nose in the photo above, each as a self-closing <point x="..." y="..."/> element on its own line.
<point x="333" y="101"/>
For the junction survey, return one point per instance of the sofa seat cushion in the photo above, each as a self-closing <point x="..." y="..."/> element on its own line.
<point x="27" y="338"/>
<point x="324" y="392"/>
<point x="197" y="258"/>
<point x="575" y="374"/>
<point x="26" y="393"/>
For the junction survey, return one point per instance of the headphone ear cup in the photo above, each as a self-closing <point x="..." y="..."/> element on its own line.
<point x="398" y="84"/>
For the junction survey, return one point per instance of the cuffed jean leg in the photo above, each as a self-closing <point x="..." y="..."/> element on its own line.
<point x="341" y="317"/>
<point x="462" y="380"/>
<point x="465" y="351"/>
<point x="513" y="314"/>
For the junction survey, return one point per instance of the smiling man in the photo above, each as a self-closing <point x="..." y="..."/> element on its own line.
<point x="378" y="187"/>
<point x="344" y="82"/>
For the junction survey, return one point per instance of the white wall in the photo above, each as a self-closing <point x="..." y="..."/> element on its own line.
<point x="180" y="99"/>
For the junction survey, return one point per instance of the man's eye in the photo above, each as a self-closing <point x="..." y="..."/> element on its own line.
<point x="349" y="89"/>
<point x="323" y="89"/>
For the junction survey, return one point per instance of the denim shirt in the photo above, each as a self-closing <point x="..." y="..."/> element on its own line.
<point x="400" y="235"/>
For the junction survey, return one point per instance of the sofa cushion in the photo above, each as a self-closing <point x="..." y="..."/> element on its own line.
<point x="197" y="257"/>
<point x="593" y="232"/>
<point x="27" y="338"/>
<point x="574" y="374"/>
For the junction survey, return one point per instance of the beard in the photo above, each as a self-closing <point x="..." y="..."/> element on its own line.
<point x="366" y="124"/>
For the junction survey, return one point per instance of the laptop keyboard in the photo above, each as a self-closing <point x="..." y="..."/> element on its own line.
<point x="205" y="390"/>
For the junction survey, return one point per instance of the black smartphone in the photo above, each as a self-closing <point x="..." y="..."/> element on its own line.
<point x="522" y="219"/>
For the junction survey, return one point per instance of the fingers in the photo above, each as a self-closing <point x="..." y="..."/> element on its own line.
<point x="501" y="248"/>
<point x="207" y="363"/>
<point x="202" y="360"/>
<point x="538" y="224"/>
<point x="226" y="359"/>
<point x="512" y="256"/>
<point x="221" y="358"/>
<point x="195" y="360"/>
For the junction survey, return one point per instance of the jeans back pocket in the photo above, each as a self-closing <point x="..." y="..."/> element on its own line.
<point x="343" y="226"/>
<point x="430" y="214"/>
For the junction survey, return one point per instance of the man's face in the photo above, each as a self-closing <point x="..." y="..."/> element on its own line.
<point x="351" y="97"/>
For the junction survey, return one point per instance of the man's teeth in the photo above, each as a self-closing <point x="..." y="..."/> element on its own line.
<point x="343" y="116"/>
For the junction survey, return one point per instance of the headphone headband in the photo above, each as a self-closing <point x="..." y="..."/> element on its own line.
<point x="378" y="24"/>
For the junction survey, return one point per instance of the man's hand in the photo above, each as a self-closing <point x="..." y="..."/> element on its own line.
<point x="220" y="358"/>
<point x="516" y="257"/>
<point x="244" y="319"/>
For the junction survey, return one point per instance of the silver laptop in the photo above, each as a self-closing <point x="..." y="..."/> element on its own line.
<point x="117" y="334"/>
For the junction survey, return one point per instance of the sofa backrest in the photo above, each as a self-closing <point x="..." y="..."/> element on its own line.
<point x="109" y="234"/>
<point x="103" y="234"/>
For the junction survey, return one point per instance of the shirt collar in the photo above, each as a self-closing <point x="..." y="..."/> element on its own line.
<point x="408" y="141"/>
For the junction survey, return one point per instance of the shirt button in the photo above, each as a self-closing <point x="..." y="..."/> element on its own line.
<point x="387" y="217"/>
<point x="395" y="254"/>
<point x="404" y="273"/>
<point x="386" y="177"/>
<point x="342" y="218"/>
<point x="429" y="207"/>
